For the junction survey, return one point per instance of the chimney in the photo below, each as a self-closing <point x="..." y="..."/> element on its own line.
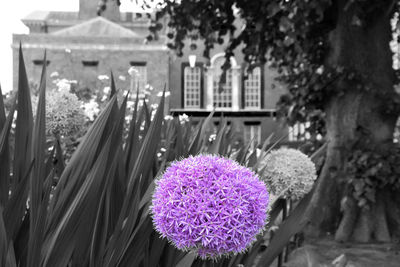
<point x="88" y="10"/>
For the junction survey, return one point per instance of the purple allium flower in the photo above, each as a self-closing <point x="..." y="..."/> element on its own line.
<point x="209" y="204"/>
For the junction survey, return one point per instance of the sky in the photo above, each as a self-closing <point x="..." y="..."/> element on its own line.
<point x="11" y="14"/>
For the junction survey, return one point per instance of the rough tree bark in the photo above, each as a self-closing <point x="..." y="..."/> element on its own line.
<point x="356" y="117"/>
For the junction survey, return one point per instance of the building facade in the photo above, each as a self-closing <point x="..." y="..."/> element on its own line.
<point x="81" y="46"/>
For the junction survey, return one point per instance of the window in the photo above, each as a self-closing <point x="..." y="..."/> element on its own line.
<point x="192" y="87"/>
<point x="298" y="132"/>
<point x="39" y="62"/>
<point x="252" y="131"/>
<point x="138" y="73"/>
<point x="252" y="89"/>
<point x="90" y="63"/>
<point x="222" y="99"/>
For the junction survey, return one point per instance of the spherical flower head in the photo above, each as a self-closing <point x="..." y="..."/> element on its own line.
<point x="209" y="204"/>
<point x="64" y="114"/>
<point x="288" y="172"/>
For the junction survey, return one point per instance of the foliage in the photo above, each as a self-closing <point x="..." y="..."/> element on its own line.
<point x="211" y="205"/>
<point x="371" y="171"/>
<point x="288" y="173"/>
<point x="292" y="36"/>
<point x="97" y="211"/>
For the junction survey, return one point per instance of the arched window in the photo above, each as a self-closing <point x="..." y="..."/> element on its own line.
<point x="252" y="89"/>
<point x="225" y="95"/>
<point x="192" y="87"/>
<point x="222" y="95"/>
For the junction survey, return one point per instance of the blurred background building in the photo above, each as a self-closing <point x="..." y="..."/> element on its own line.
<point x="82" y="46"/>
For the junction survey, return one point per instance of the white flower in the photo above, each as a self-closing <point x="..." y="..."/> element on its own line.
<point x="91" y="109"/>
<point x="288" y="173"/>
<point x="183" y="118"/>
<point x="320" y="70"/>
<point x="63" y="85"/>
<point x="163" y="149"/>
<point x="103" y="77"/>
<point x="107" y="89"/>
<point x="130" y="104"/>
<point x="104" y="98"/>
<point x="212" y="137"/>
<point x="54" y="74"/>
<point x="167" y="93"/>
<point x="154" y="106"/>
<point x="149" y="87"/>
<point x="168" y="118"/>
<point x="67" y="50"/>
<point x="122" y="77"/>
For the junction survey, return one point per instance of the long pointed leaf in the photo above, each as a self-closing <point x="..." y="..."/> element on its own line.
<point x="16" y="206"/>
<point x="24" y="125"/>
<point x="5" y="157"/>
<point x="38" y="173"/>
<point x="294" y="223"/>
<point x="79" y="165"/>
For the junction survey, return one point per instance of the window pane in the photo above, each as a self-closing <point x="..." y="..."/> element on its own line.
<point x="252" y="89"/>
<point x="222" y="99"/>
<point x="139" y="75"/>
<point x="192" y="86"/>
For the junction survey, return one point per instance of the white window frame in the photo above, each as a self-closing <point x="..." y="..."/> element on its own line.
<point x="139" y="79"/>
<point x="252" y="89"/>
<point x="189" y="84"/>
<point x="211" y="77"/>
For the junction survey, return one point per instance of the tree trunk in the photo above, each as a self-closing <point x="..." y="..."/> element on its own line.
<point x="355" y="117"/>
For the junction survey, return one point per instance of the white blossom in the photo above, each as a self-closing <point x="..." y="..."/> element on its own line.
<point x="320" y="70"/>
<point x="107" y="89"/>
<point x="91" y="109"/>
<point x="212" y="137"/>
<point x="54" y="74"/>
<point x="168" y="118"/>
<point x="103" y="77"/>
<point x="183" y="118"/>
<point x="167" y="93"/>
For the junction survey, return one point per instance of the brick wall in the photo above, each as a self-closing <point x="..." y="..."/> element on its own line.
<point x="66" y="55"/>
